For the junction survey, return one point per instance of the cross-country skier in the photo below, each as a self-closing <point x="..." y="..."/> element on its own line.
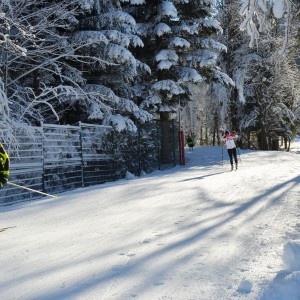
<point x="4" y="166"/>
<point x="231" y="148"/>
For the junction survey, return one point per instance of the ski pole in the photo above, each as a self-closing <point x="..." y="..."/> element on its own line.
<point x="32" y="190"/>
<point x="222" y="156"/>
<point x="238" y="149"/>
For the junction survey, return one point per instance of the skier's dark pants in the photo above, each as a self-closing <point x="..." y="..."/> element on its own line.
<point x="232" y="154"/>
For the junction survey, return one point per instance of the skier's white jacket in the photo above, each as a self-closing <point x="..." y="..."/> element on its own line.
<point x="229" y="140"/>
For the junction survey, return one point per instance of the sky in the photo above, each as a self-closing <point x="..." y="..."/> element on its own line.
<point x="196" y="231"/>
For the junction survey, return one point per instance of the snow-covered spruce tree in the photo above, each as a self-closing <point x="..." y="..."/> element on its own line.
<point x="108" y="33"/>
<point x="179" y="49"/>
<point x="267" y="103"/>
<point x="254" y="104"/>
<point x="283" y="91"/>
<point x="112" y="88"/>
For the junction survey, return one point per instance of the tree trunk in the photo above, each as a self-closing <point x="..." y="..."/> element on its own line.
<point x="206" y="136"/>
<point x="275" y="144"/>
<point x="233" y="110"/>
<point x="285" y="143"/>
<point x="166" y="140"/>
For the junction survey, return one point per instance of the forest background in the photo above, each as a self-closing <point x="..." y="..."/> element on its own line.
<point x="200" y="66"/>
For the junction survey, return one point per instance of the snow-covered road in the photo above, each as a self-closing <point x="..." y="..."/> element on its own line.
<point x="192" y="232"/>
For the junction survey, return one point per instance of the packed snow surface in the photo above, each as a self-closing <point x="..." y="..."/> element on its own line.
<point x="192" y="232"/>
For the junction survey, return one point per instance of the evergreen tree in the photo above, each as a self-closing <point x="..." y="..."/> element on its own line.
<point x="108" y="85"/>
<point x="263" y="101"/>
<point x="179" y="49"/>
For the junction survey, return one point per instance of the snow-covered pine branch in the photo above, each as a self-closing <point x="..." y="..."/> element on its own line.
<point x="97" y="91"/>
<point x="135" y="40"/>
<point x="169" y="86"/>
<point x="177" y="42"/>
<point x="115" y="18"/>
<point x="184" y="29"/>
<point x="185" y="74"/>
<point x="119" y="54"/>
<point x="223" y="78"/>
<point x="201" y="59"/>
<point x="120" y="123"/>
<point x="153" y="100"/>
<point x="166" y="9"/>
<point x="122" y="39"/>
<point x="144" y="68"/>
<point x="89" y="37"/>
<point x="208" y="43"/>
<point x="140" y="114"/>
<point x="166" y="59"/>
<point x="213" y="24"/>
<point x="162" y="29"/>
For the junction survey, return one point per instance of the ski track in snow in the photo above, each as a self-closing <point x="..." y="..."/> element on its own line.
<point x="192" y="232"/>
